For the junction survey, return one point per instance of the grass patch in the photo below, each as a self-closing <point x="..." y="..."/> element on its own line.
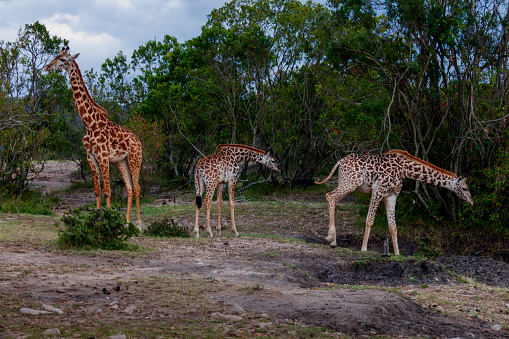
<point x="30" y="202"/>
<point x="28" y="229"/>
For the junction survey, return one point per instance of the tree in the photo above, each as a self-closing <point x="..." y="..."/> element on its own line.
<point x="434" y="59"/>
<point x="21" y="119"/>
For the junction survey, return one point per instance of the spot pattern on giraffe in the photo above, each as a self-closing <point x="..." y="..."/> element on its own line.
<point x="219" y="168"/>
<point x="382" y="176"/>
<point x="104" y="141"/>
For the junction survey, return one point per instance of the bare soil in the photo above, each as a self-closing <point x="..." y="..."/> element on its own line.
<point x="283" y="281"/>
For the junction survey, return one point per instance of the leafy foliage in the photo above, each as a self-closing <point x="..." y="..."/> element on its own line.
<point x="103" y="228"/>
<point x="166" y="228"/>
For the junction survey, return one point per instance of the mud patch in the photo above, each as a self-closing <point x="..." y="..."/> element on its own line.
<point x="349" y="311"/>
<point x="383" y="272"/>
<point x="486" y="270"/>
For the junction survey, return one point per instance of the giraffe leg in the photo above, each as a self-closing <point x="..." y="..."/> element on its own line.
<point x="219" y="205"/>
<point x="373" y="205"/>
<point x="332" y="199"/>
<point x="196" y="227"/>
<point x="134" y="160"/>
<point x="123" y="168"/>
<point x="231" y="198"/>
<point x="94" y="166"/>
<point x="390" y="210"/>
<point x="207" y="201"/>
<point x="105" y="170"/>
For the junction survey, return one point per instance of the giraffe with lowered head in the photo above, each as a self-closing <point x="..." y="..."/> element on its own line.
<point x="104" y="141"/>
<point x="221" y="168"/>
<point x="382" y="176"/>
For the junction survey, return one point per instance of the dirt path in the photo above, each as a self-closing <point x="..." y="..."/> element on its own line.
<point x="276" y="286"/>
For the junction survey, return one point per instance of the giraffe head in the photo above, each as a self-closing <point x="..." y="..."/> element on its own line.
<point x="459" y="186"/>
<point x="62" y="61"/>
<point x="269" y="161"/>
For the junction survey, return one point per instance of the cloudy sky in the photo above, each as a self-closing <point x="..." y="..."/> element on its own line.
<point x="99" y="29"/>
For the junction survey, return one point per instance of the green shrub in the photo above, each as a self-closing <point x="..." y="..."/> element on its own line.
<point x="166" y="228"/>
<point x="103" y="228"/>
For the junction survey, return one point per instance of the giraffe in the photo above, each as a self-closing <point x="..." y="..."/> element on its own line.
<point x="220" y="168"/>
<point x="104" y="141"/>
<point x="382" y="176"/>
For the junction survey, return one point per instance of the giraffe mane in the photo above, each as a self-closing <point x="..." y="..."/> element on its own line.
<point x="249" y="148"/>
<point x="87" y="93"/>
<point x="425" y="163"/>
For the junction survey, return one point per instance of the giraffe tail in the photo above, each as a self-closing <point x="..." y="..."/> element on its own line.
<point x="330" y="174"/>
<point x="197" y="186"/>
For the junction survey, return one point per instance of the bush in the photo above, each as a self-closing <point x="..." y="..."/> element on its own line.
<point x="104" y="228"/>
<point x="166" y="228"/>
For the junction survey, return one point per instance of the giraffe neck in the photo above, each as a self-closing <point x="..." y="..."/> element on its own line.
<point x="88" y="109"/>
<point x="242" y="153"/>
<point x="418" y="169"/>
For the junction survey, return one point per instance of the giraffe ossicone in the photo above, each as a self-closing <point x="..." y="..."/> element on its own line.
<point x="104" y="141"/>
<point x="221" y="168"/>
<point x="382" y="176"/>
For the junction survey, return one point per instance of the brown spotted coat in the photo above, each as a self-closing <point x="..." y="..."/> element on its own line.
<point x="104" y="141"/>
<point x="382" y="176"/>
<point x="219" y="168"/>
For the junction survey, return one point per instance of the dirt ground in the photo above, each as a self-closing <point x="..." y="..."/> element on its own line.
<point x="288" y="285"/>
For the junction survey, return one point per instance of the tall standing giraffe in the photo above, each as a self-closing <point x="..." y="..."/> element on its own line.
<point x="220" y="168"/>
<point x="104" y="141"/>
<point x="382" y="176"/>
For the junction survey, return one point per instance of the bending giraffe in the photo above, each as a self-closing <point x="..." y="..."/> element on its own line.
<point x="382" y="176"/>
<point x="104" y="141"/>
<point x="220" y="168"/>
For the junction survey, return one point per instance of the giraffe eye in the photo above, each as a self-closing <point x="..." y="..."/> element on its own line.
<point x="63" y="60"/>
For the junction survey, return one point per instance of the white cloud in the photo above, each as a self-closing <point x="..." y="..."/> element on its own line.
<point x="63" y="25"/>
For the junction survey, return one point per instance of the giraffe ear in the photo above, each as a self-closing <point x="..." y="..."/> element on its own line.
<point x="458" y="179"/>
<point x="269" y="151"/>
<point x="75" y="56"/>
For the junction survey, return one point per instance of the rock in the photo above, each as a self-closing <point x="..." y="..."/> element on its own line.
<point x="114" y="307"/>
<point x="496" y="327"/>
<point x="238" y="308"/>
<point x="118" y="336"/>
<point x="30" y="311"/>
<point x="226" y="316"/>
<point x="51" y="331"/>
<point x="52" y="309"/>
<point x="264" y="315"/>
<point x="130" y="309"/>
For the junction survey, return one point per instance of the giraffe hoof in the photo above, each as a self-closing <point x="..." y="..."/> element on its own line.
<point x="333" y="246"/>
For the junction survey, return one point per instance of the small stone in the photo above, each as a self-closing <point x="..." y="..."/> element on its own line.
<point x="51" y="331"/>
<point x="264" y="315"/>
<point x="496" y="327"/>
<point x="118" y="336"/>
<point x="238" y="308"/>
<point x="99" y="310"/>
<point x="130" y="309"/>
<point x="114" y="307"/>
<point x="264" y="325"/>
<point x="30" y="311"/>
<point x="52" y="309"/>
